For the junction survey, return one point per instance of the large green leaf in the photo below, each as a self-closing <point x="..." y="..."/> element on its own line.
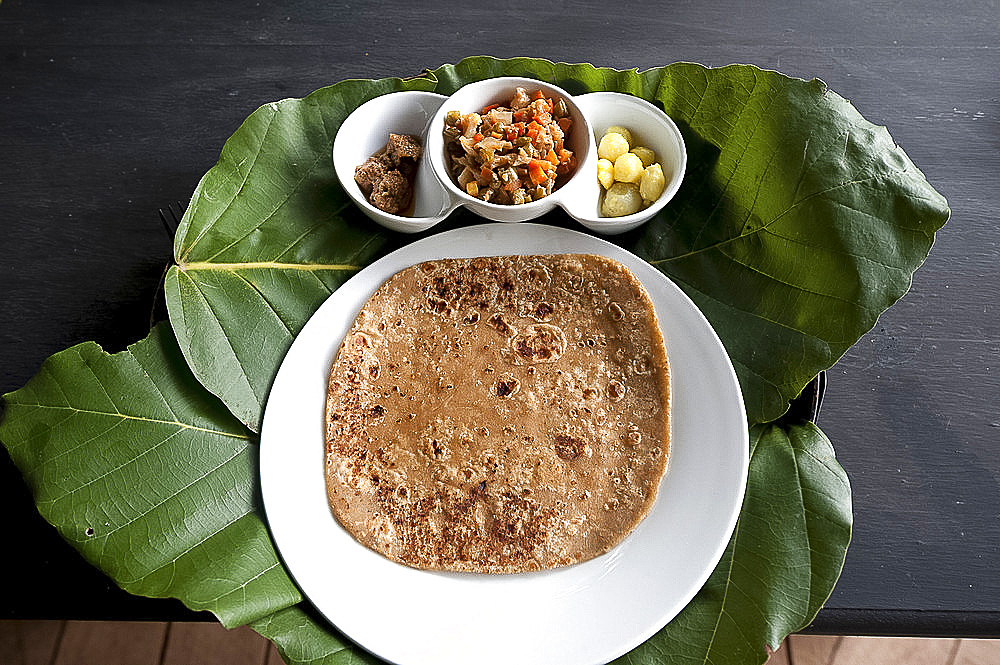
<point x="781" y="563"/>
<point x="267" y="236"/>
<point x="798" y="223"/>
<point x="780" y="566"/>
<point x="148" y="476"/>
<point x="304" y="640"/>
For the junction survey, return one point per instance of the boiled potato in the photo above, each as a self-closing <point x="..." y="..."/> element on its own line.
<point x="612" y="146"/>
<point x="630" y="175"/>
<point x="605" y="173"/>
<point x="618" y="129"/>
<point x="622" y="198"/>
<point x="628" y="168"/>
<point x="652" y="183"/>
<point x="645" y="154"/>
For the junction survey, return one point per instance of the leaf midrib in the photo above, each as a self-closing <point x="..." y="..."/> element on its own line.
<point x="267" y="265"/>
<point x="125" y="416"/>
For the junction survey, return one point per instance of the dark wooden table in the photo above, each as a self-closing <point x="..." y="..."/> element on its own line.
<point x="112" y="110"/>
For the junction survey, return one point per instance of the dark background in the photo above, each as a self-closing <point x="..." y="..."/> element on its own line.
<point x="110" y="111"/>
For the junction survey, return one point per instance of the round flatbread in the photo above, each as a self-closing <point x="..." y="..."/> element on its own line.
<point x="499" y="414"/>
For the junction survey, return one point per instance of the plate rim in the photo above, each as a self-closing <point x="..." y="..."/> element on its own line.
<point x="491" y="234"/>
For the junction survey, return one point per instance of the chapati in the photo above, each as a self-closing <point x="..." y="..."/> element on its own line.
<point x="499" y="414"/>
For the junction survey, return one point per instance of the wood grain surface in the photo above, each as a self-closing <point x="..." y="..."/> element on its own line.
<point x="49" y="642"/>
<point x="109" y="111"/>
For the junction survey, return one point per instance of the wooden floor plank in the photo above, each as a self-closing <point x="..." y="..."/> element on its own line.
<point x="812" y="649"/>
<point x="118" y="642"/>
<point x="780" y="657"/>
<point x="895" y="651"/>
<point x="29" y="642"/>
<point x="208" y="643"/>
<point x="137" y="643"/>
<point x="273" y="657"/>
<point x="978" y="652"/>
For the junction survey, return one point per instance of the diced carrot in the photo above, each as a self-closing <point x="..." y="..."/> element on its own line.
<point x="538" y="95"/>
<point x="543" y="118"/>
<point x="477" y="137"/>
<point x="487" y="109"/>
<point x="538" y="171"/>
<point x="552" y="158"/>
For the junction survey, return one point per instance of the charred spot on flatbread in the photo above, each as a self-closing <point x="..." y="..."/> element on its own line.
<point x="499" y="414"/>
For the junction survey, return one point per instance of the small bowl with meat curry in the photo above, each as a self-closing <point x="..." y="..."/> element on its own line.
<point x="365" y="144"/>
<point x="510" y="149"/>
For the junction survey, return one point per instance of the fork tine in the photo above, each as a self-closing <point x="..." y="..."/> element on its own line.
<point x="175" y="216"/>
<point x="166" y="223"/>
<point x="171" y="219"/>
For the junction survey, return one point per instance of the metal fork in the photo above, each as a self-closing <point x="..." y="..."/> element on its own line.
<point x="172" y="217"/>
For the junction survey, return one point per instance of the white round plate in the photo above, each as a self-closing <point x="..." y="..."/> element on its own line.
<point x="589" y="613"/>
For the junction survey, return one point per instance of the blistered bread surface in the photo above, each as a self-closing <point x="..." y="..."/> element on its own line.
<point x="499" y="415"/>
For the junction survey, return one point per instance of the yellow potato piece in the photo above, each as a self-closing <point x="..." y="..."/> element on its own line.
<point x="645" y="154"/>
<point x="622" y="198"/>
<point x="605" y="173"/>
<point x="652" y="183"/>
<point x="618" y="129"/>
<point x="628" y="168"/>
<point x="612" y="146"/>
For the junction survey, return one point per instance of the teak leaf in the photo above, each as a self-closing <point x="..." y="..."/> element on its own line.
<point x="781" y="563"/>
<point x="148" y="476"/>
<point x="267" y="236"/>
<point x="798" y="223"/>
<point x="304" y="640"/>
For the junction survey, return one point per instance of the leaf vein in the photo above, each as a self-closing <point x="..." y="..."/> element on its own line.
<point x="145" y="513"/>
<point x="260" y="147"/>
<point x="264" y="299"/>
<point x="226" y="337"/>
<point x="284" y="200"/>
